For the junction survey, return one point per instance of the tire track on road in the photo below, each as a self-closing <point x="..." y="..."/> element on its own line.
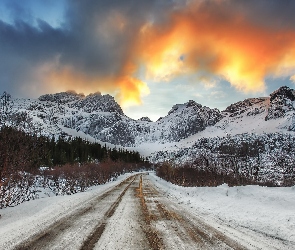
<point x="152" y="235"/>
<point x="46" y="237"/>
<point x="179" y="230"/>
<point x="98" y="231"/>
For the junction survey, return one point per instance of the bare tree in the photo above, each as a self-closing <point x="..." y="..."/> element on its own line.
<point x="6" y="105"/>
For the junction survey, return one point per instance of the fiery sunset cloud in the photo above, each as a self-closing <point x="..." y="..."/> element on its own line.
<point x="126" y="88"/>
<point x="197" y="39"/>
<point x="119" y="47"/>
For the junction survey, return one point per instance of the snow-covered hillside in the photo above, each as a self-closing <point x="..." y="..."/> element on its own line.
<point x="258" y="116"/>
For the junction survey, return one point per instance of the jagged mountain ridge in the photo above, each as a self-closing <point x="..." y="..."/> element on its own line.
<point x="100" y="117"/>
<point x="91" y="103"/>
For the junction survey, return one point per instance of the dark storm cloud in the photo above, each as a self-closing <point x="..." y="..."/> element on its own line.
<point x="271" y="13"/>
<point x="97" y="35"/>
<point x="97" y="44"/>
<point x="87" y="41"/>
<point x="23" y="47"/>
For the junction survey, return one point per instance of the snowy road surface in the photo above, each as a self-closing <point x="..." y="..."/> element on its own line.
<point x="133" y="214"/>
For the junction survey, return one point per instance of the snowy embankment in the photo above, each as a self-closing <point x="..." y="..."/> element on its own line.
<point x="268" y="210"/>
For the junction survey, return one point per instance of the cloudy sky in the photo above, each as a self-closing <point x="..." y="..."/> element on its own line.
<point x="150" y="54"/>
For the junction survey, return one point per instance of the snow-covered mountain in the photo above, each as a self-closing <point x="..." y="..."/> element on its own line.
<point x="255" y="137"/>
<point x="99" y="117"/>
<point x="256" y="115"/>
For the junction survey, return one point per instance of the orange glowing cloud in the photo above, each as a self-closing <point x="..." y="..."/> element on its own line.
<point x="131" y="89"/>
<point x="127" y="89"/>
<point x="198" y="40"/>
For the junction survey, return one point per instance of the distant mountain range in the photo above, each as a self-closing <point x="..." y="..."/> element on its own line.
<point x="253" y="138"/>
<point x="100" y="117"/>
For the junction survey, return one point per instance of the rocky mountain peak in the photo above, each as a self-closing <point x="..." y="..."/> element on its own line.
<point x="98" y="102"/>
<point x="175" y="107"/>
<point x="281" y="102"/>
<point x="243" y="105"/>
<point x="182" y="107"/>
<point x="145" y="119"/>
<point x="62" y="97"/>
<point x="283" y="92"/>
<point x="95" y="94"/>
<point x="192" y="103"/>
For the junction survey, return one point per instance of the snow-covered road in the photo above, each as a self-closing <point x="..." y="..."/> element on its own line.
<point x="132" y="213"/>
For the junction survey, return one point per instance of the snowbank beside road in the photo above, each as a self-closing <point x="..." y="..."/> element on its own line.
<point x="29" y="218"/>
<point x="268" y="210"/>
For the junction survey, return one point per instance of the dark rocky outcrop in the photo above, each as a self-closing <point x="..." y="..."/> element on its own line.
<point x="281" y="102"/>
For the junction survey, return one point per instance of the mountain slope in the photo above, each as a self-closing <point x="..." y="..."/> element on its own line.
<point x="255" y="115"/>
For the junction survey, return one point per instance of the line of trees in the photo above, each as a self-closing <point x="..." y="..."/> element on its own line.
<point x="63" y="166"/>
<point x="25" y="152"/>
<point x="189" y="175"/>
<point x="62" y="151"/>
<point x="267" y="159"/>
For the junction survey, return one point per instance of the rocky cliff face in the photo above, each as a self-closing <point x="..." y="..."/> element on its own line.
<point x="281" y="102"/>
<point x="251" y="106"/>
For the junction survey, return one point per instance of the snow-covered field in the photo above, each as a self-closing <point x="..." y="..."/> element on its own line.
<point x="267" y="210"/>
